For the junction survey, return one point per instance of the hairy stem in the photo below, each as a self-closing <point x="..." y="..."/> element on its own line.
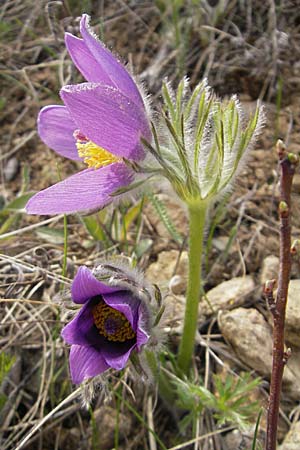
<point x="197" y="216"/>
<point x="287" y="168"/>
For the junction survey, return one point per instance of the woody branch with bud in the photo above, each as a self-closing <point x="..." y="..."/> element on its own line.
<point x="288" y="163"/>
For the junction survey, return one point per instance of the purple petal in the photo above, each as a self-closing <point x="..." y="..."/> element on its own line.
<point x="126" y="303"/>
<point x="86" y="286"/>
<point x="56" y="129"/>
<point x="81" y="329"/>
<point x="85" y="61"/>
<point x="108" y="118"/>
<point x="85" y="362"/>
<point x="116" y="356"/>
<point x="110" y="70"/>
<point x="85" y="191"/>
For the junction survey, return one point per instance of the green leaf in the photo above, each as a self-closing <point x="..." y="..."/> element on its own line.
<point x="2" y="103"/>
<point x="6" y="363"/>
<point x="165" y="218"/>
<point x="129" y="217"/>
<point x="51" y="235"/>
<point x="93" y="226"/>
<point x="9" y="222"/>
<point x="19" y="202"/>
<point x="142" y="247"/>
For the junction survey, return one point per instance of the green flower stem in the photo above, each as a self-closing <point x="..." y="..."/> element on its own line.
<point x="197" y="214"/>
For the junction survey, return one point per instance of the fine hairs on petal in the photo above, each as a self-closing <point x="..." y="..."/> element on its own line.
<point x="95" y="387"/>
<point x="94" y="35"/>
<point x="147" y="99"/>
<point x="117" y="272"/>
<point x="87" y="19"/>
<point x="68" y="308"/>
<point x="88" y="86"/>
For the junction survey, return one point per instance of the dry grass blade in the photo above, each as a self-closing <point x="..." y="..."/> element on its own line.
<point x="67" y="400"/>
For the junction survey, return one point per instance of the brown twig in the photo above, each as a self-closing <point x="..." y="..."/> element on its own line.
<point x="287" y="164"/>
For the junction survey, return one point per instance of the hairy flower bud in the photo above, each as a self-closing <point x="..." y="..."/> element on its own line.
<point x="204" y="142"/>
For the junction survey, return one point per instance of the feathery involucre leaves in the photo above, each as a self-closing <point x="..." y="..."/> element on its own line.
<point x="205" y="141"/>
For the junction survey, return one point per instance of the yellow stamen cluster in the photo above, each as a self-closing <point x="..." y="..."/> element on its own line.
<point x="103" y="313"/>
<point x="95" y="156"/>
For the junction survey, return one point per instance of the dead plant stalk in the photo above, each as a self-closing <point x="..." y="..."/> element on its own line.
<point x="287" y="163"/>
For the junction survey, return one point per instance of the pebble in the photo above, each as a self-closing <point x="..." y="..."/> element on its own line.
<point x="292" y="439"/>
<point x="105" y="419"/>
<point x="250" y="336"/>
<point x="292" y="326"/>
<point x="162" y="271"/>
<point x="227" y="295"/>
<point x="10" y="169"/>
<point x="269" y="270"/>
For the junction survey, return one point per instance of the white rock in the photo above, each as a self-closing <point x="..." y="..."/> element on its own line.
<point x="270" y="267"/>
<point x="227" y="295"/>
<point x="292" y="439"/>
<point x="292" y="327"/>
<point x="162" y="271"/>
<point x="250" y="336"/>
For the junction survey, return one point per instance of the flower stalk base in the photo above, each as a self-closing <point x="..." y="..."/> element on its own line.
<point x="197" y="215"/>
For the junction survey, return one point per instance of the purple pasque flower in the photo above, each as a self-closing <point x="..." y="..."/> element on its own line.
<point x="102" y="122"/>
<point x="114" y="321"/>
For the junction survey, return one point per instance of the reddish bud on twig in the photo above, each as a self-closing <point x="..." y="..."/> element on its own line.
<point x="295" y="247"/>
<point x="269" y="286"/>
<point x="286" y="355"/>
<point x="268" y="291"/>
<point x="281" y="149"/>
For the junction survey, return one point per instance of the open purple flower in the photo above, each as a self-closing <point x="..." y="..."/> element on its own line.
<point x="114" y="321"/>
<point x="102" y="122"/>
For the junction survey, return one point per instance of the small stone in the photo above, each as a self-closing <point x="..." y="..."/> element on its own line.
<point x="293" y="368"/>
<point x="296" y="183"/>
<point x="260" y="174"/>
<point x="69" y="438"/>
<point x="227" y="295"/>
<point x="11" y="169"/>
<point x="220" y="243"/>
<point x="292" y="439"/>
<point x="250" y="336"/>
<point x="259" y="154"/>
<point x="174" y="313"/>
<point x="162" y="271"/>
<point x="105" y="422"/>
<point x="237" y="439"/>
<point x="292" y="324"/>
<point x="270" y="267"/>
<point x="177" y="284"/>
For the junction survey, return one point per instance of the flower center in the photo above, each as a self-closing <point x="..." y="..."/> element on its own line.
<point x="92" y="154"/>
<point x="111" y="323"/>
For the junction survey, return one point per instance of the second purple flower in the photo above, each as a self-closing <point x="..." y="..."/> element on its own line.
<point x="102" y="122"/>
<point x="116" y="319"/>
